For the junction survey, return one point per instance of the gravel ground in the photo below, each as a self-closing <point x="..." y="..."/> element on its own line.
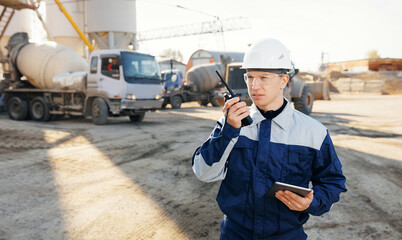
<point x="70" y="179"/>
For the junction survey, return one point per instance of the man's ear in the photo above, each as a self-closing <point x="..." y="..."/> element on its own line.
<point x="284" y="81"/>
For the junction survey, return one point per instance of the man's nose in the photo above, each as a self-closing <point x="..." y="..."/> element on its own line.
<point x="255" y="84"/>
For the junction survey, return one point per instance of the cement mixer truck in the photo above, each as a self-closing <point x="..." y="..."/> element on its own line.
<point x="199" y="85"/>
<point x="45" y="80"/>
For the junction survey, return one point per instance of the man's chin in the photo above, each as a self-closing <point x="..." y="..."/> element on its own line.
<point x="258" y="102"/>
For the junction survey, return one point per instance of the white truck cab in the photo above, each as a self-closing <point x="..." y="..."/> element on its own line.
<point x="128" y="82"/>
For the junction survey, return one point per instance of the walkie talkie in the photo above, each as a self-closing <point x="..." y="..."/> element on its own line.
<point x="245" y="121"/>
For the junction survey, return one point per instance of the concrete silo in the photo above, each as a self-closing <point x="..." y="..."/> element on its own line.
<point x="111" y="24"/>
<point x="60" y="28"/>
<point x="22" y="21"/>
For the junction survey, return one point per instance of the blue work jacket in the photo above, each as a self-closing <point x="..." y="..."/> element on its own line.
<point x="292" y="148"/>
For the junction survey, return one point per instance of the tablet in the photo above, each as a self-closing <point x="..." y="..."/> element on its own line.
<point x="301" y="191"/>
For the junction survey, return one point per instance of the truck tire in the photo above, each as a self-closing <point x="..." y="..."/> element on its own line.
<point x="176" y="101"/>
<point x="137" y="117"/>
<point x="203" y="102"/>
<point x="99" y="111"/>
<point x="305" y="103"/>
<point x="214" y="102"/>
<point x="17" y="109"/>
<point x="39" y="109"/>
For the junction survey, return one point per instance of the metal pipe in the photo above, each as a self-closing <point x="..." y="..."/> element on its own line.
<point x="111" y="40"/>
<point x="85" y="28"/>
<point x="91" y="48"/>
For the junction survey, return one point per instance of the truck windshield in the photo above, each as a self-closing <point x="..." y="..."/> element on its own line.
<point x="140" y="68"/>
<point x="169" y="77"/>
<point x="236" y="78"/>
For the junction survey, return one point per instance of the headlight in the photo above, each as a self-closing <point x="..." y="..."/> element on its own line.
<point x="158" y="96"/>
<point x="131" y="97"/>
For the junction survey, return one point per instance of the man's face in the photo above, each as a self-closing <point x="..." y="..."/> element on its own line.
<point x="265" y="88"/>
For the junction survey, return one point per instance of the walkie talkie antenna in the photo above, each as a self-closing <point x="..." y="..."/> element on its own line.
<point x="226" y="85"/>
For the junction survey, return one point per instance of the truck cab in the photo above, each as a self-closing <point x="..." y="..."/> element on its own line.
<point x="173" y="88"/>
<point x="235" y="79"/>
<point x="128" y="82"/>
<point x="172" y="78"/>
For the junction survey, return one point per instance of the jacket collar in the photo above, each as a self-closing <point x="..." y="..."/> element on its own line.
<point x="284" y="119"/>
<point x="256" y="115"/>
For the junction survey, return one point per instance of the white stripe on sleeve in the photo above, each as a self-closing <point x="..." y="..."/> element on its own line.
<point x="217" y="171"/>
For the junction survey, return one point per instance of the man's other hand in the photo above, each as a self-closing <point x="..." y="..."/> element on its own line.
<point x="294" y="201"/>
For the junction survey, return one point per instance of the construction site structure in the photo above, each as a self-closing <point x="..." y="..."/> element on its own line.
<point x="112" y="25"/>
<point x="22" y="16"/>
<point x="364" y="65"/>
<point x="216" y="26"/>
<point x="116" y="31"/>
<point x="61" y="30"/>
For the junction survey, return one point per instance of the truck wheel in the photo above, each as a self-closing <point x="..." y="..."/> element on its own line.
<point x="176" y="101"/>
<point x="17" y="108"/>
<point x="203" y="102"/>
<point x="305" y="103"/>
<point x="137" y="117"/>
<point x="39" y="109"/>
<point x="99" y="111"/>
<point x="214" y="102"/>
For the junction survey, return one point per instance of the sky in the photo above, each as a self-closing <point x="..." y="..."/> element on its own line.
<point x="342" y="30"/>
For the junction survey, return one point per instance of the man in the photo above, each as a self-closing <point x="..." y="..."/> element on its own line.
<point x="281" y="145"/>
<point x="112" y="66"/>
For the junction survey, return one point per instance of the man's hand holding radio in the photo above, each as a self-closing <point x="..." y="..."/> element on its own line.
<point x="237" y="111"/>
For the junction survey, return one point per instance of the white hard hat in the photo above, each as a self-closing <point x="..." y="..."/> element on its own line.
<point x="267" y="54"/>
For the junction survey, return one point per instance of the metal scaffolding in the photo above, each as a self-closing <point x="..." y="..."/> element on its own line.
<point x="216" y="26"/>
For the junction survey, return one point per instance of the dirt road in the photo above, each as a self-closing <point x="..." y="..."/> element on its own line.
<point x="70" y="179"/>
